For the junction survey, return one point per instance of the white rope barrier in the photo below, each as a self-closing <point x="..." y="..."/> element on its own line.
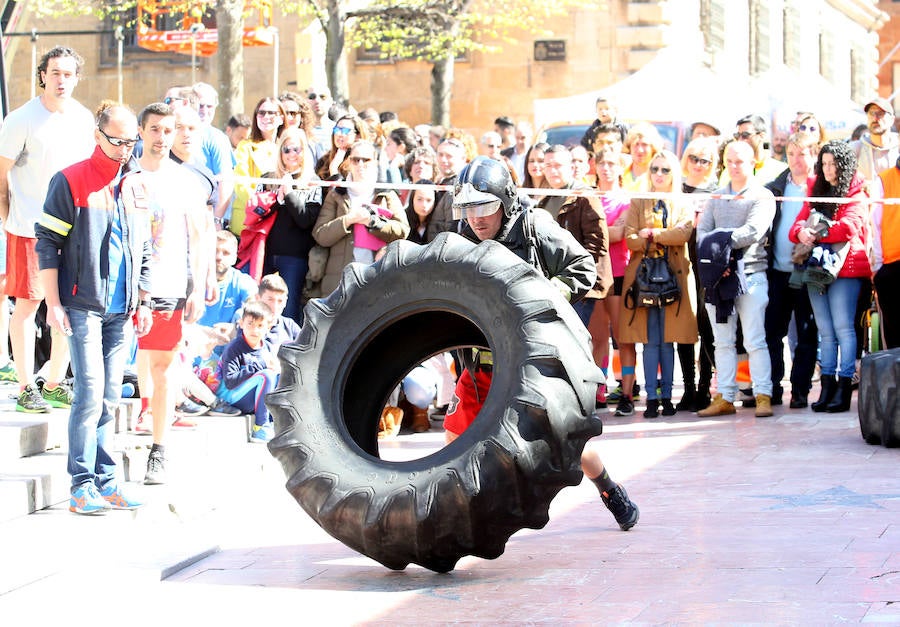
<point x="693" y="198"/>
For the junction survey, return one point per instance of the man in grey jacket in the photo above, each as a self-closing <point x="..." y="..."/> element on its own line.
<point x="749" y="218"/>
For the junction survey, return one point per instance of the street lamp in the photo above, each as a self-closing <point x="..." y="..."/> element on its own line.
<point x="196" y="27"/>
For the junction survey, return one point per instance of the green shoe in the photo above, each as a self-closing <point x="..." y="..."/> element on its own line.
<point x="30" y="401"/>
<point x="8" y="373"/>
<point x="59" y="397"/>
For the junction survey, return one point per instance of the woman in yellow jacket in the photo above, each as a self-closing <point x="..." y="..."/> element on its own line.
<point x="658" y="227"/>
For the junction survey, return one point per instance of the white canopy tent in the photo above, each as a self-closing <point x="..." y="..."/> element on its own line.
<point x="674" y="88"/>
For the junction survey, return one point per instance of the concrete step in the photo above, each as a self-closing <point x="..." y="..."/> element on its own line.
<point x="40" y="480"/>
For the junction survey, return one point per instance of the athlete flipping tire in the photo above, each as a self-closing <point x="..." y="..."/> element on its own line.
<point x="500" y="475"/>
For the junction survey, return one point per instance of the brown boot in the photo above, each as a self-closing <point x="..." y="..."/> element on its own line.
<point x="763" y="405"/>
<point x="391" y="418"/>
<point x="718" y="407"/>
<point x="420" y="421"/>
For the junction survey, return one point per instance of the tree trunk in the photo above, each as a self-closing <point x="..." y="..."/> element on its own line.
<point x="441" y="88"/>
<point x="335" y="57"/>
<point x="230" y="58"/>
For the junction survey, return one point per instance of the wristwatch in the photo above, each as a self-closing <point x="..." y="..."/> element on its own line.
<point x="147" y="303"/>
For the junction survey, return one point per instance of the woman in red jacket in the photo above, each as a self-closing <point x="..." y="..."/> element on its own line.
<point x="835" y="307"/>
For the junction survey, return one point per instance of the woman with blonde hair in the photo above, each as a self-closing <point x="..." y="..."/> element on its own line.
<point x="642" y="142"/>
<point x="657" y="228"/>
<point x="297" y="206"/>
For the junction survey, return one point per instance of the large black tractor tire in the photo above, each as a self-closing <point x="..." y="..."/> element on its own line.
<point x="879" y="409"/>
<point x="502" y="472"/>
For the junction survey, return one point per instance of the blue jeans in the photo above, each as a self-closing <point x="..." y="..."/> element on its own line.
<point x="293" y="270"/>
<point x="658" y="356"/>
<point x="584" y="308"/>
<point x="98" y="350"/>
<point x="751" y="307"/>
<point x="835" y="311"/>
<point x="250" y="395"/>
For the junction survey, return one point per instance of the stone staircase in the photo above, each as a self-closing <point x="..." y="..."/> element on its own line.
<point x="33" y="450"/>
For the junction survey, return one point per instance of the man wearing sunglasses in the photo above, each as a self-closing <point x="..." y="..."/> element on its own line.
<point x="93" y="247"/>
<point x="53" y="131"/>
<point x="320" y="101"/>
<point x="753" y="130"/>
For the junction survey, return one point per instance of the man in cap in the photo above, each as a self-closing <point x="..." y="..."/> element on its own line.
<point x="878" y="148"/>
<point x="486" y="201"/>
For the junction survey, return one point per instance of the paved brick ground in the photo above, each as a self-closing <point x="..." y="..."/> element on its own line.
<point x="790" y="519"/>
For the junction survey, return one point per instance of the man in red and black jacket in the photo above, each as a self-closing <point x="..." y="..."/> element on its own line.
<point x="93" y="247"/>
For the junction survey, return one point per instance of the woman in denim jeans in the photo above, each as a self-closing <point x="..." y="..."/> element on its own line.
<point x="658" y="227"/>
<point x="835" y="307"/>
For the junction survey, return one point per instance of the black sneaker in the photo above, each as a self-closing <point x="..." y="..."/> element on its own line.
<point x="625" y="407"/>
<point x="652" y="410"/>
<point x="623" y="510"/>
<point x="668" y="409"/>
<point x="156" y="470"/>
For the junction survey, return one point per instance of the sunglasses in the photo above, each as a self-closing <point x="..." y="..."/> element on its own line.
<point x="292" y="114"/>
<point x="343" y="130"/>
<point x="262" y="113"/>
<point x="811" y="128"/>
<point x="745" y="135"/>
<point x="288" y="150"/>
<point x="117" y="141"/>
<point x="695" y="160"/>
<point x="318" y="96"/>
<point x="361" y="160"/>
<point x="655" y="169"/>
<point x="169" y="100"/>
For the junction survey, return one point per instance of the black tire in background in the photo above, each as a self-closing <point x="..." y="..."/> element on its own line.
<point x="878" y="406"/>
<point x="502" y="472"/>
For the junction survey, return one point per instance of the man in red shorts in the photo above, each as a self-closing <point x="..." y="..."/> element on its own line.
<point x="485" y="200"/>
<point x="45" y="135"/>
<point x="179" y="271"/>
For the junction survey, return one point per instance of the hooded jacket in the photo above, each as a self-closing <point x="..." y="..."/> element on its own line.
<point x="556" y="253"/>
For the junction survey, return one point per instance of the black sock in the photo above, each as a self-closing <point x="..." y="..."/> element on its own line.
<point x="603" y="482"/>
<point x="158" y="449"/>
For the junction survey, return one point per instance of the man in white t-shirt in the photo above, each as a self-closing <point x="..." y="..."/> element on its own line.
<point x="178" y="271"/>
<point x="45" y="135"/>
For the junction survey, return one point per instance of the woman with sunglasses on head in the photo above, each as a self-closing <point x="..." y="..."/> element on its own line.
<point x="297" y="205"/>
<point x="255" y="155"/>
<point x="347" y="129"/>
<point x="659" y="227"/>
<point x="358" y="220"/>
<point x="699" y="168"/>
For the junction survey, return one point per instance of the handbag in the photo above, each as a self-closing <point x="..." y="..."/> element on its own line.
<point x="654" y="284"/>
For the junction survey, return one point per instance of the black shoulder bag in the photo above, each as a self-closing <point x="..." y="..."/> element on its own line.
<point x="654" y="284"/>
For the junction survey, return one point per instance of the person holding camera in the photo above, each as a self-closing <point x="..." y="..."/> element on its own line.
<point x="358" y="220"/>
<point x="834" y="307"/>
<point x="659" y="228"/>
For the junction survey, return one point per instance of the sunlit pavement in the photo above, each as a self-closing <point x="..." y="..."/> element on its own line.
<point x="789" y="519"/>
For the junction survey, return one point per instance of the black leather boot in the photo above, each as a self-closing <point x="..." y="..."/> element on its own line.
<point x="829" y="387"/>
<point x="841" y="399"/>
<point x="688" y="401"/>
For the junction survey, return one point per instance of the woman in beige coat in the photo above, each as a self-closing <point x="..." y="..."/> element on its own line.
<point x="663" y="225"/>
<point x="348" y="225"/>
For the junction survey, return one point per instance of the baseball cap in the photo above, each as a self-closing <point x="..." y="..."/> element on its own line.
<point x="881" y="103"/>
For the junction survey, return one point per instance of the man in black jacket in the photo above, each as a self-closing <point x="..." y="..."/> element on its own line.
<point x="785" y="301"/>
<point x="94" y="263"/>
<point x="486" y="202"/>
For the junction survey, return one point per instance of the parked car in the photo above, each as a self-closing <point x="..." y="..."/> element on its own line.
<point x="569" y="133"/>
